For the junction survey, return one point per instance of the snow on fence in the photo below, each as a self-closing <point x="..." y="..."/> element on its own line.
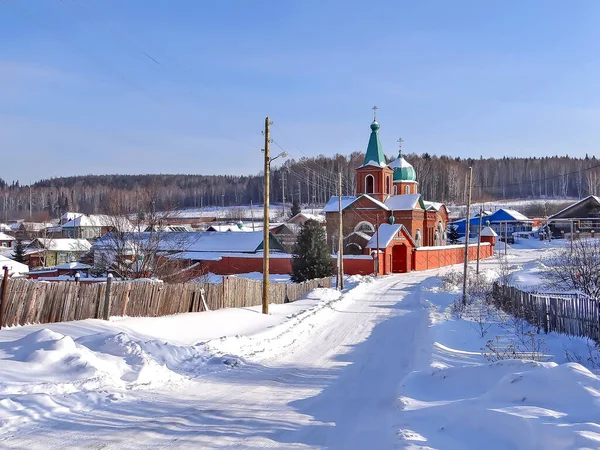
<point x="28" y="301"/>
<point x="574" y="315"/>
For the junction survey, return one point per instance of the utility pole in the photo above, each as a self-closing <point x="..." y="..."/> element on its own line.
<point x="30" y="200"/>
<point x="4" y="293"/>
<point x="479" y="237"/>
<point x="265" y="293"/>
<point x="283" y="190"/>
<point x="505" y="237"/>
<point x="467" y="232"/>
<point x="340" y="237"/>
<point x="252" y="214"/>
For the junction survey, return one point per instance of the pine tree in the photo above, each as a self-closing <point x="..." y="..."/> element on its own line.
<point x="19" y="252"/>
<point x="295" y="208"/>
<point x="453" y="236"/>
<point x="311" y="257"/>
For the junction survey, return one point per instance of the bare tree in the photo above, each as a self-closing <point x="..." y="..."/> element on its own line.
<point x="575" y="268"/>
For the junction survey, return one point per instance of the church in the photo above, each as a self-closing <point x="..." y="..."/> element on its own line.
<point x="387" y="212"/>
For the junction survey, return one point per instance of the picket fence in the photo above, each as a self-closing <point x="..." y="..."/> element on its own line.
<point x="28" y="301"/>
<point x="574" y="315"/>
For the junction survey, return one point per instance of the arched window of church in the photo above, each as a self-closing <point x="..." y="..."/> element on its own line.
<point x="407" y="189"/>
<point x="365" y="227"/>
<point x="395" y="190"/>
<point x="369" y="184"/>
<point x="387" y="185"/>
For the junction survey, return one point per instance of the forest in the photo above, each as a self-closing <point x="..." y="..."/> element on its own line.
<point x="308" y="180"/>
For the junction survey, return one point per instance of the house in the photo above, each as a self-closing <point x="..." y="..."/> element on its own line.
<point x="234" y="227"/>
<point x="287" y="233"/>
<point x="30" y="230"/>
<point x="4" y="228"/>
<point x="6" y="241"/>
<point x="45" y="252"/>
<point x="584" y="214"/>
<point x="14" y="267"/>
<point x="92" y="226"/>
<point x="61" y="272"/>
<point x="503" y="219"/>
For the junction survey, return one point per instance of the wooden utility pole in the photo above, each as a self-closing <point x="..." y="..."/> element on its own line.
<point x="4" y="294"/>
<point x="505" y="237"/>
<point x="467" y="232"/>
<point x="30" y="200"/>
<point x="479" y="237"/>
<point x="109" y="279"/>
<point x="340" y="237"/>
<point x="252" y="214"/>
<point x="283" y="192"/>
<point x="265" y="286"/>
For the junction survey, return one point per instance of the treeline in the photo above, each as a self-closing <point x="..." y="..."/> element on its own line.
<point x="309" y="180"/>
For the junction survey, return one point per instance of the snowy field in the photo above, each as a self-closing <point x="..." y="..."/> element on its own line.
<point x="383" y="366"/>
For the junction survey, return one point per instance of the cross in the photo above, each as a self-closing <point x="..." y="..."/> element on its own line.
<point x="400" y="141"/>
<point x="374" y="113"/>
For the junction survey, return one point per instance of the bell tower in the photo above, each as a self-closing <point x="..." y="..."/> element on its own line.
<point x="374" y="177"/>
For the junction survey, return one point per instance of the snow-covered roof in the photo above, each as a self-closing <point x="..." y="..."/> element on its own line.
<point x="229" y="227"/>
<point x="373" y="163"/>
<point x="96" y="220"/>
<point x="332" y="204"/>
<point x="487" y="231"/>
<point x="4" y="227"/>
<point x="502" y="213"/>
<point x="6" y="237"/>
<point x="73" y="266"/>
<point x="433" y="205"/>
<point x="307" y="216"/>
<point x="597" y="199"/>
<point x="405" y="202"/>
<point x="32" y="226"/>
<point x="14" y="267"/>
<point x="195" y="241"/>
<point x="386" y="235"/>
<point x="62" y="244"/>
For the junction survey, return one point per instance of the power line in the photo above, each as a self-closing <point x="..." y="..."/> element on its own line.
<point x="537" y="180"/>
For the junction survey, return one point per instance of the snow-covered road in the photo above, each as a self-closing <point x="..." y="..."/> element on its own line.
<point x="332" y="387"/>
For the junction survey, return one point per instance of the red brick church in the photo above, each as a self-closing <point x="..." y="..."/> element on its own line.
<point x="387" y="198"/>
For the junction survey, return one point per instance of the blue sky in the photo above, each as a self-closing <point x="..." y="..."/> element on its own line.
<point x="117" y="86"/>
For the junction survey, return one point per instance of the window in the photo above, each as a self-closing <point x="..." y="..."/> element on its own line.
<point x="395" y="190"/>
<point x="365" y="227"/>
<point x="407" y="189"/>
<point x="4" y="244"/>
<point x="369" y="184"/>
<point x="387" y="185"/>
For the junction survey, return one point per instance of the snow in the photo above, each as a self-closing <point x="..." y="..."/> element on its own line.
<point x="333" y="203"/>
<point x="6" y="237"/>
<point x="14" y="267"/>
<point x="383" y="365"/>
<point x="487" y="231"/>
<point x="274" y="278"/>
<point x="73" y="266"/>
<point x="62" y="245"/>
<point x="385" y="232"/>
<point x="405" y="202"/>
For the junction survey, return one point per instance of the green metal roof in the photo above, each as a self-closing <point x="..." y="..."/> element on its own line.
<point x="403" y="170"/>
<point x="374" y="149"/>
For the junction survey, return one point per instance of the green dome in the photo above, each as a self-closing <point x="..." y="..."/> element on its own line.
<point x="403" y="170"/>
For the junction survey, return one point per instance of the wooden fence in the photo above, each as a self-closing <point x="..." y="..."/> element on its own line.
<point x="574" y="315"/>
<point x="28" y="301"/>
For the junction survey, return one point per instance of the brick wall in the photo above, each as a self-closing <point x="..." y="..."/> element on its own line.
<point x="432" y="258"/>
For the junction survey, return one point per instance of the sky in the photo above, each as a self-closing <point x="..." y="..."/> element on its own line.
<point x="149" y="86"/>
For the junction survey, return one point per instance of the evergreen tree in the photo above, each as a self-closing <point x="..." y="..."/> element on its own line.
<point x="453" y="237"/>
<point x="311" y="257"/>
<point x="295" y="208"/>
<point x="19" y="252"/>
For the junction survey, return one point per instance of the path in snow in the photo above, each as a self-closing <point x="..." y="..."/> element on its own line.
<point x="335" y="388"/>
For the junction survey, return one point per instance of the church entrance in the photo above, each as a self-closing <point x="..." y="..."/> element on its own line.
<point x="399" y="259"/>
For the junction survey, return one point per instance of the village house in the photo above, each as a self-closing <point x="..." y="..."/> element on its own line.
<point x="287" y="233"/>
<point x="88" y="227"/>
<point x="6" y="241"/>
<point x="387" y="193"/>
<point x="509" y="220"/>
<point x="584" y="215"/>
<point x="45" y="252"/>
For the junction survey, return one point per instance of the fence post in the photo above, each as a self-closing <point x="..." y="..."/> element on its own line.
<point x="3" y="295"/>
<point x="107" y="296"/>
